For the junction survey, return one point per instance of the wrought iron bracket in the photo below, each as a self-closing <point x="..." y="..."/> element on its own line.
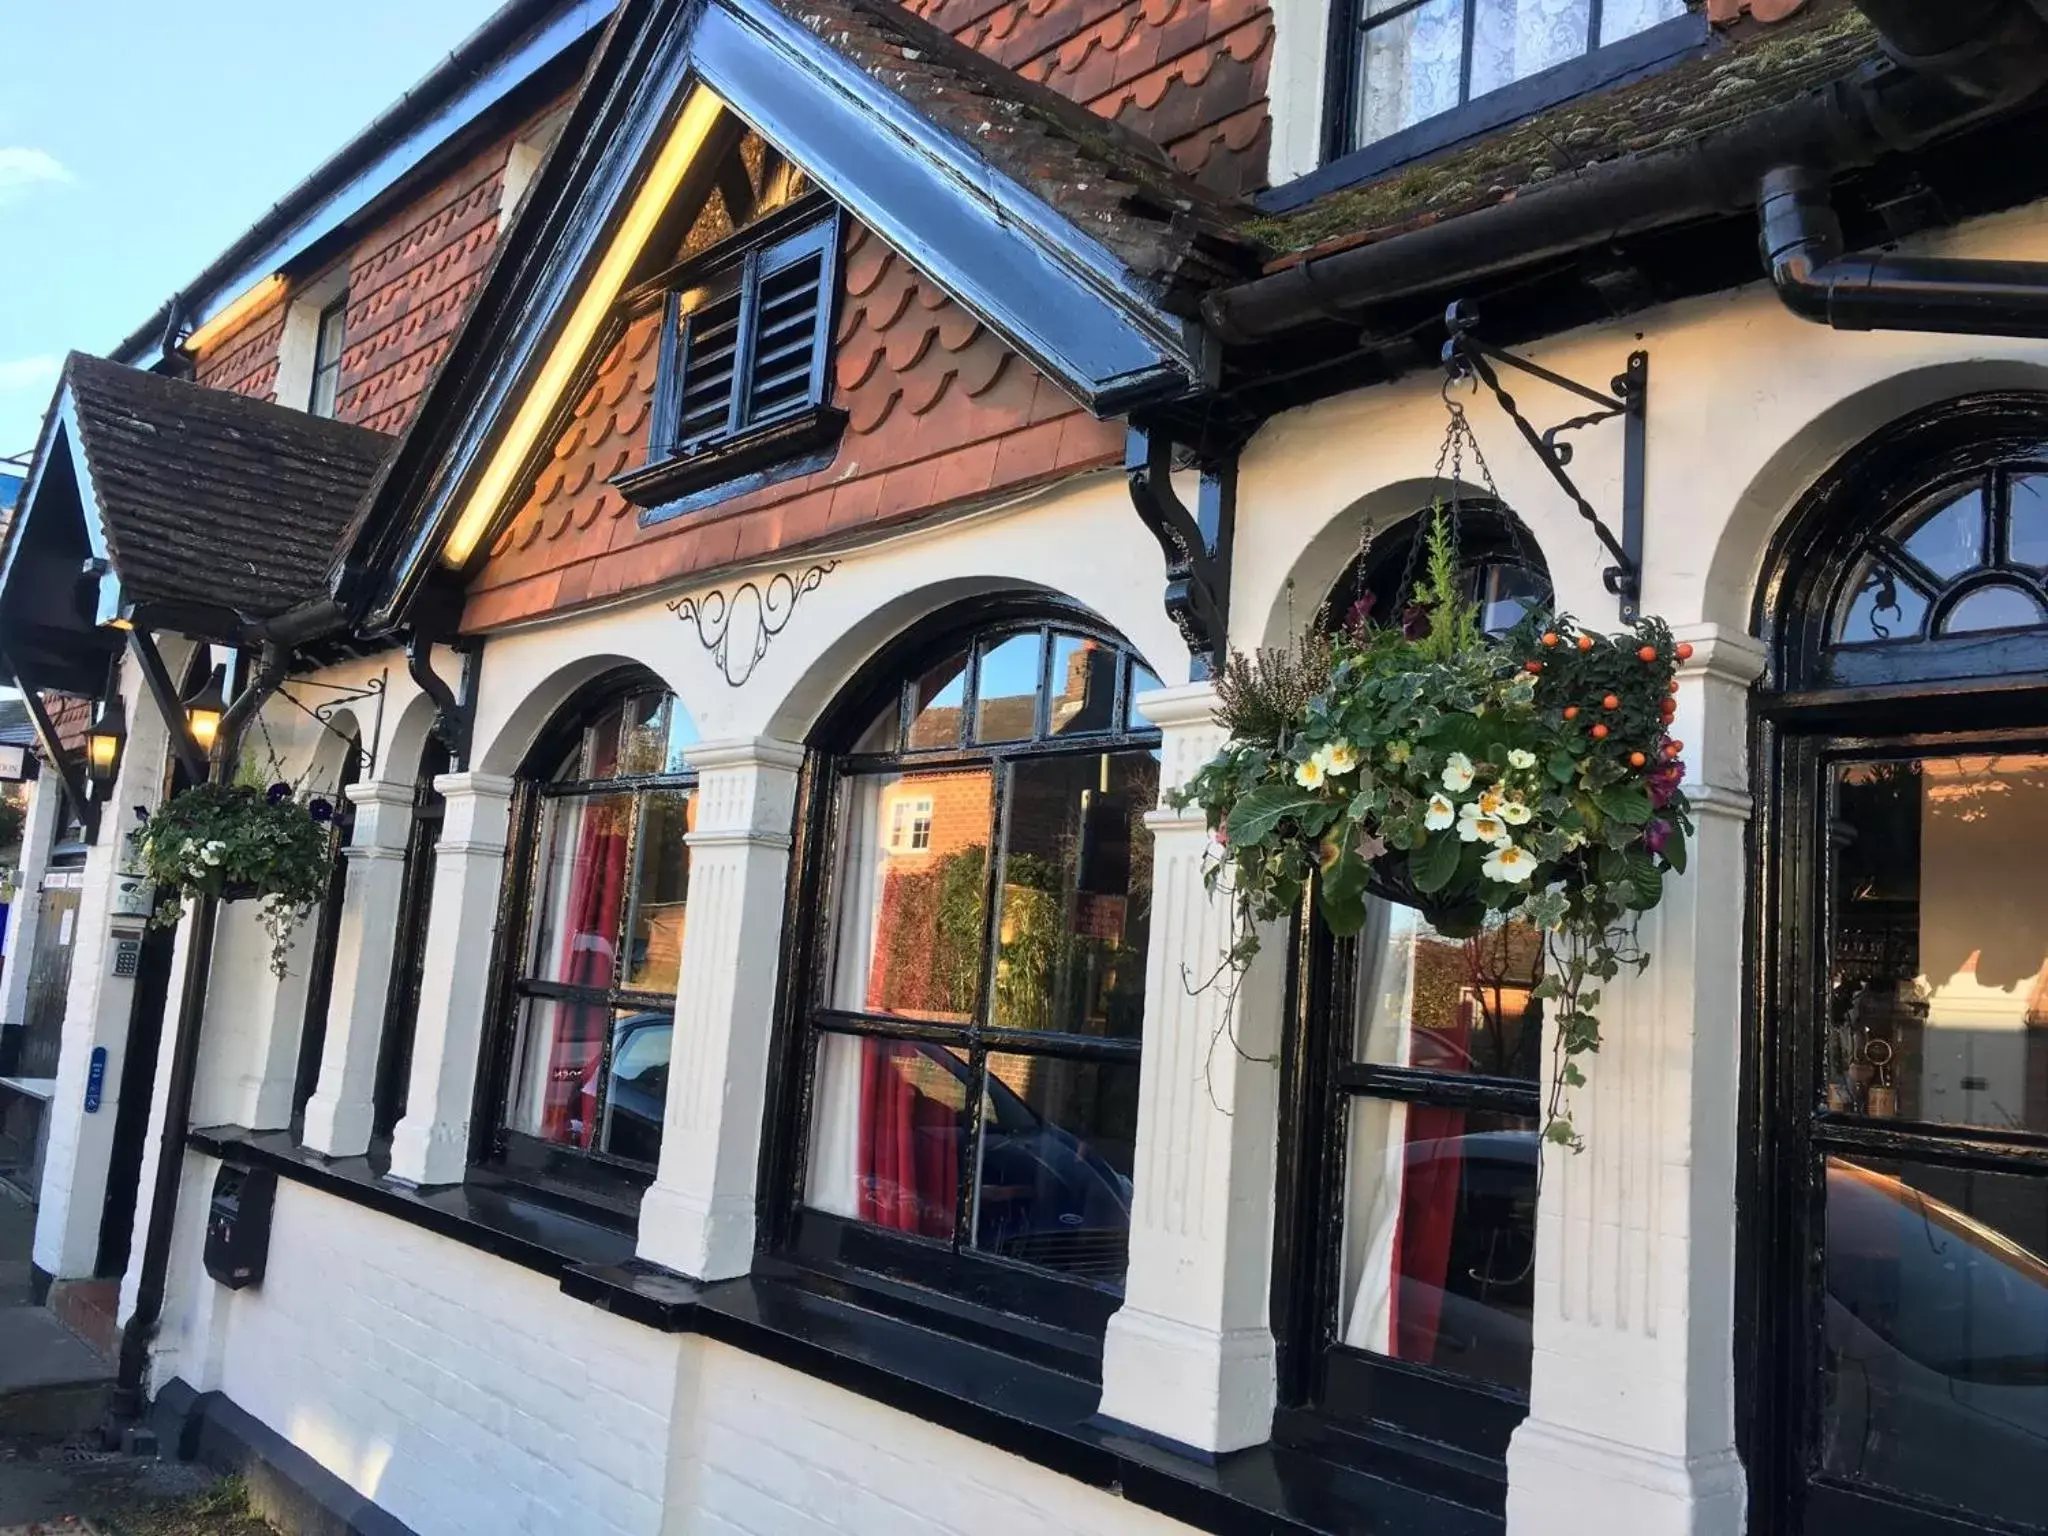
<point x="1466" y="355"/>
<point x="1197" y="543"/>
<point x="324" y="712"/>
<point x="156" y="676"/>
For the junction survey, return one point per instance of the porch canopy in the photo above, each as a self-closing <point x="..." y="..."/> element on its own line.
<point x="155" y="504"/>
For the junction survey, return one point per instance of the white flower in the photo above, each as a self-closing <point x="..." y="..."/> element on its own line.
<point x="1490" y="801"/>
<point x="1514" y="813"/>
<point x="1309" y="775"/>
<point x="1475" y="826"/>
<point x="1517" y="758"/>
<point x="1509" y="864"/>
<point x="1338" y="758"/>
<point x="1441" y="814"/>
<point x="212" y="851"/>
<point x="1457" y="773"/>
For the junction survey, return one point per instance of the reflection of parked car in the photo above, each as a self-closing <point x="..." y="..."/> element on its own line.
<point x="638" y="1089"/>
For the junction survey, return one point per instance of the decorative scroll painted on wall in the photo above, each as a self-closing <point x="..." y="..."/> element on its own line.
<point x="736" y="629"/>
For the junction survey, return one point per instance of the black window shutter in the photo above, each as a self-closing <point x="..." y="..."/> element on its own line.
<point x="711" y="337"/>
<point x="786" y="340"/>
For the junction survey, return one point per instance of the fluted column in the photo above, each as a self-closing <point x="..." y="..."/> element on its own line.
<point x="1631" y="1427"/>
<point x="698" y="1216"/>
<point x="431" y="1144"/>
<point x="339" y="1113"/>
<point x="1189" y="1356"/>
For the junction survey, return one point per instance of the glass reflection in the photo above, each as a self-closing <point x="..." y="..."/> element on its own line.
<point x="911" y="894"/>
<point x="938" y="701"/>
<point x="1076" y="895"/>
<point x="1440" y="1238"/>
<point x="661" y="889"/>
<point x="1006" y="689"/>
<point x="567" y="1088"/>
<point x="1053" y="1179"/>
<point x="576" y="939"/>
<point x="889" y="1123"/>
<point x="1935" y="1373"/>
<point x="1950" y="539"/>
<point x="1882" y="605"/>
<point x="1448" y="1005"/>
<point x="1083" y="686"/>
<point x="1994" y="607"/>
<point x="2026" y="528"/>
<point x="1938" y="949"/>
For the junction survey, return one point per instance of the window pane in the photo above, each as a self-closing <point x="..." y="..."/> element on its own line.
<point x="645" y="747"/>
<point x="1006" y="697"/>
<point x="883" y="731"/>
<point x="1988" y="608"/>
<point x="1053" y="1186"/>
<point x="1881" y="605"/>
<point x="1940" y="942"/>
<point x="1935" y="1363"/>
<point x="661" y="890"/>
<point x="636" y="1090"/>
<point x="1083" y="686"/>
<point x="581" y="888"/>
<point x="1625" y="18"/>
<point x="1514" y="39"/>
<point x="682" y="735"/>
<point x="558" y="1072"/>
<point x="1076" y="895"/>
<point x="1505" y="593"/>
<point x="2027" y="530"/>
<point x="601" y="745"/>
<point x="908" y="919"/>
<point x="1448" y="1005"/>
<point x="1409" y="69"/>
<point x="936" y="705"/>
<point x="888" y="1129"/>
<point x="1950" y="539"/>
<point x="1143" y="680"/>
<point x="1440" y="1238"/>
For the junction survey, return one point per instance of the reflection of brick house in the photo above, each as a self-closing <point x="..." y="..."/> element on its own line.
<point x="1471" y="1001"/>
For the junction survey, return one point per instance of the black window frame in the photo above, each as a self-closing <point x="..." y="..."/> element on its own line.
<point x="1600" y="67"/>
<point x="392" y="1086"/>
<point x="1026" y="1310"/>
<point x="323" y="395"/>
<point x="326" y="940"/>
<point x="683" y="471"/>
<point x="1375" y="1411"/>
<point x="610" y="1186"/>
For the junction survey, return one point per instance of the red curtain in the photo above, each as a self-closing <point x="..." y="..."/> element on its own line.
<point x="1432" y="1175"/>
<point x="590" y="933"/>
<point x="909" y="1155"/>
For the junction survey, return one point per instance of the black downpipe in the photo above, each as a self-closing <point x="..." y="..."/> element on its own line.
<point x="130" y="1385"/>
<point x="1802" y="246"/>
<point x="1889" y="108"/>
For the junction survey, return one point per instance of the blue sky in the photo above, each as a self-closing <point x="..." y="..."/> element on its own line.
<point x="139" y="137"/>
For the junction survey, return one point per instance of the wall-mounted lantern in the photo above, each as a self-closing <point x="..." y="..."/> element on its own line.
<point x="103" y="744"/>
<point x="204" y="709"/>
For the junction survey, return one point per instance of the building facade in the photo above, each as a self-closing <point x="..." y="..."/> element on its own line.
<point x="770" y="1058"/>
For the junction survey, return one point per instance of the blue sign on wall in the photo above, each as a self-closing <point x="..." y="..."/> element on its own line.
<point x="95" y="1079"/>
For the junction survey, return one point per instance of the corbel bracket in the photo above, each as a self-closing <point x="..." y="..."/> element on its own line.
<point x="1467" y="356"/>
<point x="1197" y="544"/>
<point x="454" y="719"/>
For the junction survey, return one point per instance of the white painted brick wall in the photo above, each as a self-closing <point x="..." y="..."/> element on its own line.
<point x="469" y="1397"/>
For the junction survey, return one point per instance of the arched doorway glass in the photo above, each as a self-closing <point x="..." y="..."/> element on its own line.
<point x="1898" y="1226"/>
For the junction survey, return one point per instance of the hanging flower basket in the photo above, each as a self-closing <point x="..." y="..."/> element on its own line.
<point x="1528" y="777"/>
<point x="236" y="843"/>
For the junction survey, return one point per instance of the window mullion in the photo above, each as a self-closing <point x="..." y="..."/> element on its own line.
<point x="1471" y="25"/>
<point x="743" y="342"/>
<point x="1002" y="777"/>
<point x="1593" y="19"/>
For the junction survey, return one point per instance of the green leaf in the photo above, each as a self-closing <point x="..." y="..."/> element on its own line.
<point x="1343" y="894"/>
<point x="1432" y="865"/>
<point x="1563" y="767"/>
<point x="1255" y="817"/>
<point x="1674" y="850"/>
<point x="1643" y="879"/>
<point x="1628" y="804"/>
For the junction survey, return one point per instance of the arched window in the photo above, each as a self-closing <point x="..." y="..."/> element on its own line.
<point x="967" y="1045"/>
<point x="601" y="883"/>
<point x="1406" y="1267"/>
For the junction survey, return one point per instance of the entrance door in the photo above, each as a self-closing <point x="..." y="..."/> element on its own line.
<point x="1897" y="1226"/>
<point x="49" y="975"/>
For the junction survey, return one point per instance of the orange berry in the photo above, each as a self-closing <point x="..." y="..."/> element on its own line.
<point x="1532" y="667"/>
<point x="1599" y="733"/>
<point x="1585" y="642"/>
<point x="1610" y="702"/>
<point x="1685" y="650"/>
<point x="1647" y="653"/>
<point x="1636" y="759"/>
<point x="1673" y="748"/>
<point x="1674" y="685"/>
<point x="1550" y="637"/>
<point x="1571" y="711"/>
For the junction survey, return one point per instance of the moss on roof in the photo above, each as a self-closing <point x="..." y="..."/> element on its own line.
<point x="1661" y="112"/>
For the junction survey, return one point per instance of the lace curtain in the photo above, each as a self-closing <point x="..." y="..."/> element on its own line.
<point x="1412" y="62"/>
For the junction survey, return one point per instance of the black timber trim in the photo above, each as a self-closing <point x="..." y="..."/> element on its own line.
<point x="68" y="772"/>
<point x="284" y="1481"/>
<point x="657" y="485"/>
<point x="915" y="1364"/>
<point x="1050" y="291"/>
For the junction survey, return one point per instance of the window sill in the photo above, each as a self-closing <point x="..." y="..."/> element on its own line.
<point x="816" y="1326"/>
<point x="658" y="486"/>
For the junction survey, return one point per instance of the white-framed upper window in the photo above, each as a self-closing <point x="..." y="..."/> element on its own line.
<point x="329" y="338"/>
<point x="910" y="825"/>
<point x="315" y="335"/>
<point x="523" y="161"/>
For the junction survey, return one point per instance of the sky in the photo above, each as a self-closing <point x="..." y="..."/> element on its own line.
<point x="138" y="138"/>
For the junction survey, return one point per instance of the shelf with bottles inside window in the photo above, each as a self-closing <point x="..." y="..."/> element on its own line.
<point x="968" y="1054"/>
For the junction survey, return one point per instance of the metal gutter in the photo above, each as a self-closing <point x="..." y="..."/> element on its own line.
<point x="515" y="45"/>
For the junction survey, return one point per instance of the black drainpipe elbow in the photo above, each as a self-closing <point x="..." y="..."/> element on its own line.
<point x="1802" y="249"/>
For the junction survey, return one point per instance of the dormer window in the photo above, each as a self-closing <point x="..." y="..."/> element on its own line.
<point x="328" y="341"/>
<point x="1414" y="75"/>
<point x="746" y="338"/>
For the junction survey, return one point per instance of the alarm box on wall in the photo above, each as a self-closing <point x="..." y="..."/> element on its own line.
<point x="238" y="1225"/>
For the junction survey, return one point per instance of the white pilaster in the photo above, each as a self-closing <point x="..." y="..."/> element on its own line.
<point x="431" y="1144"/>
<point x="1189" y="1356"/>
<point x="698" y="1216"/>
<point x="339" y="1113"/>
<point x="1631" y="1426"/>
<point x="79" y="1153"/>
